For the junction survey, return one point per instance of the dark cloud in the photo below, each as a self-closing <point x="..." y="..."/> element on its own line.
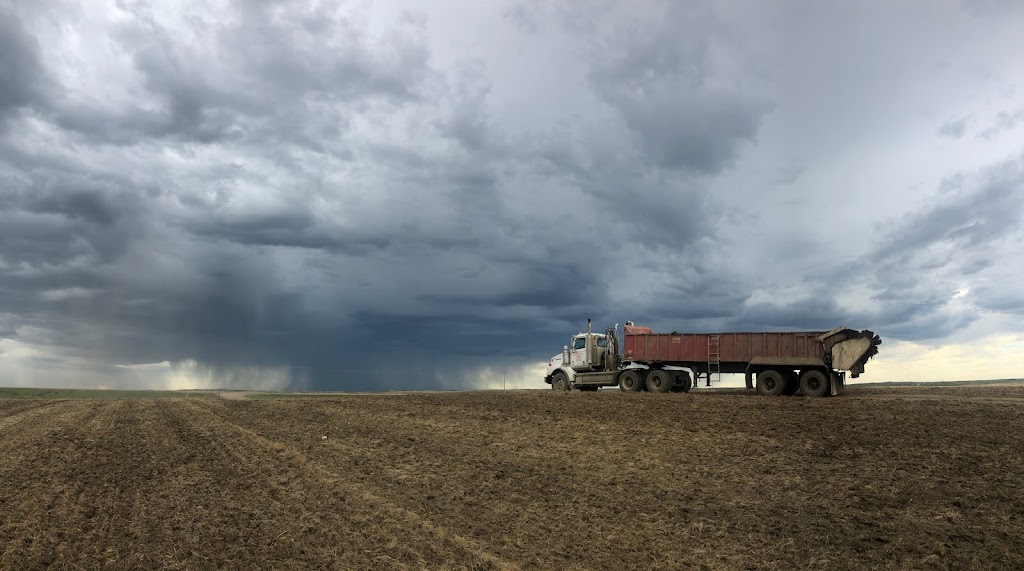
<point x="21" y="72"/>
<point x="924" y="259"/>
<point x="991" y="7"/>
<point x="972" y="213"/>
<point x="816" y="312"/>
<point x="272" y="72"/>
<point x="659" y="81"/>
<point x="304" y="194"/>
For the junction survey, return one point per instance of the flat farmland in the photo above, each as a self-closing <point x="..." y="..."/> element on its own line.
<point x="885" y="478"/>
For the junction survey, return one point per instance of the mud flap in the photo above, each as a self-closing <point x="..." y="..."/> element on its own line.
<point x="838" y="383"/>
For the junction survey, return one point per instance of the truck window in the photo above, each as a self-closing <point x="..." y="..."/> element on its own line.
<point x="580" y="343"/>
<point x="602" y="341"/>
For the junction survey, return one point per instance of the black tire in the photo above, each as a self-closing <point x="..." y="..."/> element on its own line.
<point x="629" y="381"/>
<point x="659" y="381"/>
<point x="814" y="383"/>
<point x="792" y="383"/>
<point x="559" y="382"/>
<point x="770" y="383"/>
<point x="683" y="383"/>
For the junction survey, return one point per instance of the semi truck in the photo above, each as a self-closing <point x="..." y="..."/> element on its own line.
<point x="812" y="363"/>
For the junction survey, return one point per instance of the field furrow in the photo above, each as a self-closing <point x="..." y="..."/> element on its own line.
<point x="530" y="480"/>
<point x="19" y="419"/>
<point x="341" y="511"/>
<point x="543" y="479"/>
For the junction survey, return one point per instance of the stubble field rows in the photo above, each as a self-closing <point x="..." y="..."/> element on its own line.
<point x="879" y="478"/>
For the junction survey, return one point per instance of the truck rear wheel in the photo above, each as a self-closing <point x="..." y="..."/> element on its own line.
<point x="559" y="382"/>
<point x="813" y="383"/>
<point x="659" y="381"/>
<point x="770" y="383"/>
<point x="629" y="381"/>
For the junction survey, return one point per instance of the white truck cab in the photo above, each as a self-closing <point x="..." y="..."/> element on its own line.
<point x="592" y="360"/>
<point x="578" y="358"/>
<point x="578" y="353"/>
<point x="586" y="354"/>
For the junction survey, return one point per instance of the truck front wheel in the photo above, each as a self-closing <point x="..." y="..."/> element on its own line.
<point x="559" y="382"/>
<point x="813" y="383"/>
<point x="770" y="383"/>
<point x="629" y="381"/>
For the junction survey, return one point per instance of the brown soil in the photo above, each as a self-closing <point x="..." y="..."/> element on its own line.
<point x="878" y="478"/>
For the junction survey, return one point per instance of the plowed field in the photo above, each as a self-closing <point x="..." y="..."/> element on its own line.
<point x="879" y="478"/>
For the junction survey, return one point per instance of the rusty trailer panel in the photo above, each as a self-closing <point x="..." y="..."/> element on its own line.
<point x="841" y="348"/>
<point x="733" y="348"/>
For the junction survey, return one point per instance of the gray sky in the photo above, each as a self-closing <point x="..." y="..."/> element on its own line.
<point x="335" y="195"/>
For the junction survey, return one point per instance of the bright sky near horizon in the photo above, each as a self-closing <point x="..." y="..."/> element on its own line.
<point x="405" y="194"/>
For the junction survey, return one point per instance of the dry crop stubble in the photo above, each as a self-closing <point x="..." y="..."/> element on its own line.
<point x="533" y="480"/>
<point x="554" y="481"/>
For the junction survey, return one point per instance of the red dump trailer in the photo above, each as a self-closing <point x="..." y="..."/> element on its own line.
<point x="780" y="362"/>
<point x="813" y="363"/>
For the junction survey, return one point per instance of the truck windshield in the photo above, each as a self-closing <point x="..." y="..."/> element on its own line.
<point x="581" y="342"/>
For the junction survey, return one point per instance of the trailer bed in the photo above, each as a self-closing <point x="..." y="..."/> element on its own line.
<point x="734" y="350"/>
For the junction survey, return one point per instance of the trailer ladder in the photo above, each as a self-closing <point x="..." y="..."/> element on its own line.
<point x="714" y="360"/>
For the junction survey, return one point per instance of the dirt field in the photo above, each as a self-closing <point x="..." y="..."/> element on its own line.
<point x="879" y="478"/>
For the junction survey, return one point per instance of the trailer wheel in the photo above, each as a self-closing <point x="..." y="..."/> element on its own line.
<point x="684" y="385"/>
<point x="770" y="383"/>
<point x="629" y="381"/>
<point x="659" y="381"/>
<point x="813" y="383"/>
<point x="559" y="382"/>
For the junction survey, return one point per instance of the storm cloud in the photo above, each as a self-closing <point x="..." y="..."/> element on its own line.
<point x="336" y="195"/>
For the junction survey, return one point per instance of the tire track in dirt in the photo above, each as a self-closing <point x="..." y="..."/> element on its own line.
<point x="11" y="407"/>
<point x="764" y="474"/>
<point x="168" y="484"/>
<point x="1014" y="400"/>
<point x="433" y="545"/>
<point x="507" y="489"/>
<point x="473" y="480"/>
<point x="248" y="510"/>
<point x="35" y="492"/>
<point x="25" y="431"/>
<point x="15" y="415"/>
